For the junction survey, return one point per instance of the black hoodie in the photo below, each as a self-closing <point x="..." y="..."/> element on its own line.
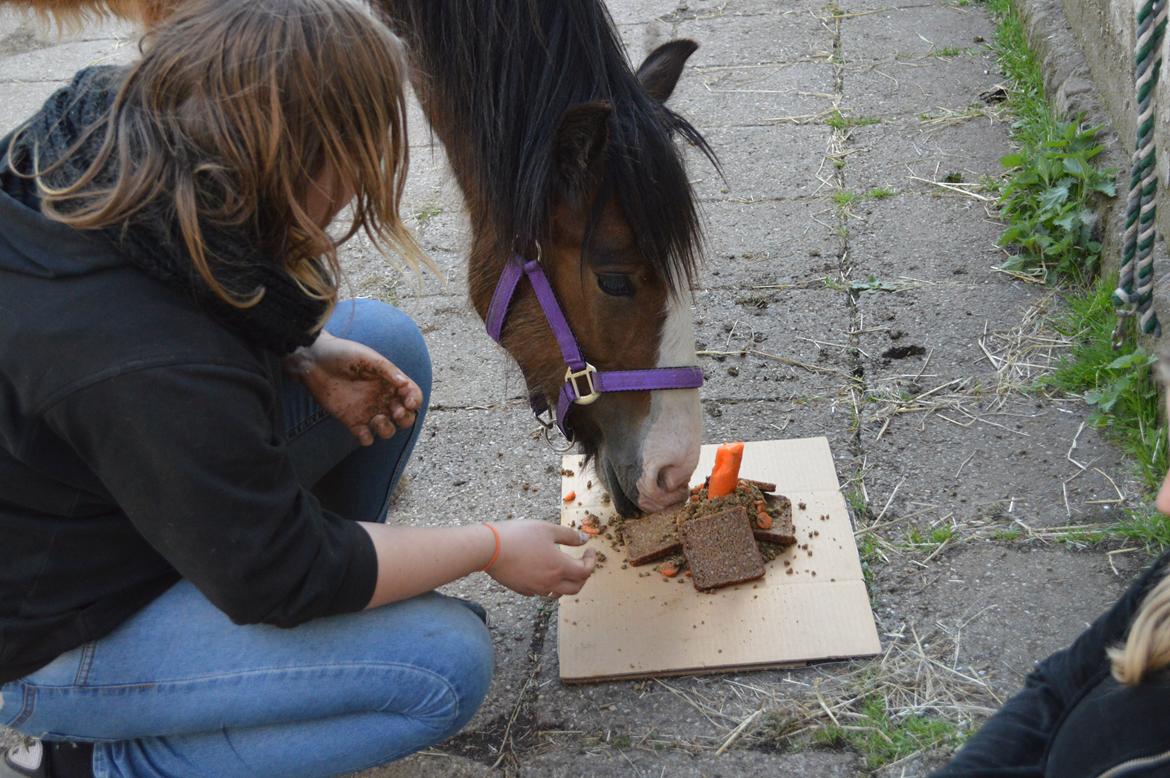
<point x="141" y="441"/>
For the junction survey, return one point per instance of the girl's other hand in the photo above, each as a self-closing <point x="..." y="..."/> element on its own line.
<point x="531" y="563"/>
<point x="361" y="388"/>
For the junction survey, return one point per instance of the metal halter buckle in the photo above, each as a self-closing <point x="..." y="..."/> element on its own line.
<point x="571" y="379"/>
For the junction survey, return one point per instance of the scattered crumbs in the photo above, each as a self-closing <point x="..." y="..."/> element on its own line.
<point x="832" y="580"/>
<point x="755" y="596"/>
<point x="588" y="484"/>
<point x="721" y="651"/>
<point x="567" y="473"/>
<point x="814" y="572"/>
<point x="801" y="505"/>
<point x="789" y="571"/>
<point x="624" y="565"/>
<point x="786" y="563"/>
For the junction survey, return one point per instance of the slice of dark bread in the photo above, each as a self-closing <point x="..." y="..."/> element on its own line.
<point x="721" y="550"/>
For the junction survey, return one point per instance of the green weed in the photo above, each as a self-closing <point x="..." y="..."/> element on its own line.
<point x="1007" y="535"/>
<point x="1048" y="202"/>
<point x="948" y="51"/>
<point x="1052" y="182"/>
<point x="840" y="122"/>
<point x="1119" y="384"/>
<point x="843" y="197"/>
<point x="881" y="739"/>
<point x="426" y="213"/>
<point x="880" y="193"/>
<point x="857" y="504"/>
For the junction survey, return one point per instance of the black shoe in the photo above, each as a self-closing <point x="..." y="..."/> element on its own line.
<point x="36" y="759"/>
<point x="26" y="760"/>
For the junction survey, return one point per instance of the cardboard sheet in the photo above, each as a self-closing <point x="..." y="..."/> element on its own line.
<point x="633" y="622"/>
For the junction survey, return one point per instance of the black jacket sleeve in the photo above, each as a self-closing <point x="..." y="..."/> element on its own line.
<point x="1014" y="742"/>
<point x="190" y="454"/>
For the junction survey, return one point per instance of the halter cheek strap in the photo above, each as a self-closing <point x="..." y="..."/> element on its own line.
<point x="583" y="382"/>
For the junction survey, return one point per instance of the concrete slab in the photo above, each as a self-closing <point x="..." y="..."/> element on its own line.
<point x="888" y="154"/>
<point x="830" y="413"/>
<point x="1016" y="605"/>
<point x="942" y="321"/>
<point x="770" y="242"/>
<point x="953" y="239"/>
<point x="430" y="764"/>
<point x="634" y="11"/>
<point x="796" y="338"/>
<point x="60" y="62"/>
<point x="799" y="33"/>
<point x="1010" y="466"/>
<point x="608" y="761"/>
<point x="916" y="87"/>
<point x="469" y="368"/>
<point x="21" y="101"/>
<point x="758" y="95"/>
<point x="763" y="162"/>
<point x="913" y="32"/>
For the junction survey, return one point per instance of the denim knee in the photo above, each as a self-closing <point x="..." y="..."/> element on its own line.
<point x="474" y="671"/>
<point x="390" y="332"/>
<point x="463" y="657"/>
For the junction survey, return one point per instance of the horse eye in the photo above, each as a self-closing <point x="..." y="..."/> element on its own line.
<point x="616" y="284"/>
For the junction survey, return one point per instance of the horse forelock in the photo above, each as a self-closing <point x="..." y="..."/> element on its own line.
<point x="503" y="75"/>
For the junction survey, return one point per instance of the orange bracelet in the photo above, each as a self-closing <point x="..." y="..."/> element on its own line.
<point x="496" y="553"/>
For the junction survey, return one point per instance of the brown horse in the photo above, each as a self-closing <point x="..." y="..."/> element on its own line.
<point x="565" y="154"/>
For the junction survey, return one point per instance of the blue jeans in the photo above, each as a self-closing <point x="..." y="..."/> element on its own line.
<point x="179" y="690"/>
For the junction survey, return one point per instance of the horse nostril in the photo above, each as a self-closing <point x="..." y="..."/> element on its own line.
<point x="671" y="478"/>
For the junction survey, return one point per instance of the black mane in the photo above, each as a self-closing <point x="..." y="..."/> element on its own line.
<point x="505" y="72"/>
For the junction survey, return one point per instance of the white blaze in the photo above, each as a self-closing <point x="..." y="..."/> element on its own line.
<point x="673" y="430"/>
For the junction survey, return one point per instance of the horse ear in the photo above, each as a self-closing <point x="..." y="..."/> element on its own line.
<point x="580" y="144"/>
<point x="661" y="69"/>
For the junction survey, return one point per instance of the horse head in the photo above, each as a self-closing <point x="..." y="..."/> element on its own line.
<point x="619" y="254"/>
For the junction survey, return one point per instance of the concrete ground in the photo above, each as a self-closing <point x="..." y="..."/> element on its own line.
<point x="849" y="291"/>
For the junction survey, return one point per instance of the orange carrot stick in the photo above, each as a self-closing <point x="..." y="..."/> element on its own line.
<point x="570" y="497"/>
<point x="725" y="475"/>
<point x="763" y="520"/>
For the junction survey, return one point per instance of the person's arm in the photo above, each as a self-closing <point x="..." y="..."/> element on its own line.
<point x="413" y="560"/>
<point x="188" y="452"/>
<point x="1015" y="740"/>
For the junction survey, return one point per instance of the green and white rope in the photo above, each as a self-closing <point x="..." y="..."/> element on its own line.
<point x="1134" y="294"/>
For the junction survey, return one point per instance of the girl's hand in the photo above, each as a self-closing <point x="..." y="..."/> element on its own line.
<point x="531" y="563"/>
<point x="360" y="387"/>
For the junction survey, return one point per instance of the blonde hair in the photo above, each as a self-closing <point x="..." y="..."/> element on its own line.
<point x="233" y="112"/>
<point x="1147" y="647"/>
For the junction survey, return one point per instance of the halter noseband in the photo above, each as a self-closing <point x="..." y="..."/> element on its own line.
<point x="584" y="383"/>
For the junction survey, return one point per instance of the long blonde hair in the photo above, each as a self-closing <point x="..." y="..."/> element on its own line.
<point x="234" y="110"/>
<point x="1147" y="647"/>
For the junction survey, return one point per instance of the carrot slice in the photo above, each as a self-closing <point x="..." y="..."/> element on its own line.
<point x="725" y="475"/>
<point x="763" y="520"/>
<point x="570" y="497"/>
<point x="668" y="569"/>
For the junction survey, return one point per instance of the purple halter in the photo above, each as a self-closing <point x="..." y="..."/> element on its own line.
<point x="583" y="382"/>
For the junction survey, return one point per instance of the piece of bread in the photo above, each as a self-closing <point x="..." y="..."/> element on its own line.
<point x="721" y="550"/>
<point x="763" y="486"/>
<point x="783" y="530"/>
<point x="651" y="537"/>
